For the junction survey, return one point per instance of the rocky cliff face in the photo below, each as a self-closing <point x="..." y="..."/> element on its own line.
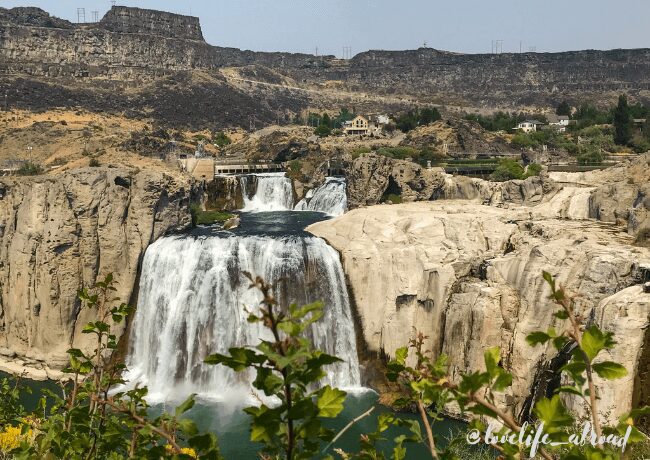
<point x="130" y="20"/>
<point x="469" y="277"/>
<point x="135" y="45"/>
<point x="59" y="234"/>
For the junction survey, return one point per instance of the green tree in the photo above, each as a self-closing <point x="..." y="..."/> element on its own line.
<point x="622" y="122"/>
<point x="590" y="155"/>
<point x="507" y="170"/>
<point x="29" y="169"/>
<point x="563" y="109"/>
<point x="326" y="120"/>
<point x="429" y="115"/>
<point x="323" y="130"/>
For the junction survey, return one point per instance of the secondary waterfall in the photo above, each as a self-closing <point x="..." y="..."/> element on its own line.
<point x="330" y="198"/>
<point x="266" y="192"/>
<point x="274" y="192"/>
<point x="192" y="301"/>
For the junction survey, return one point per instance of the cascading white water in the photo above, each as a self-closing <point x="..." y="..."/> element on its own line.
<point x="330" y="198"/>
<point x="266" y="192"/>
<point x="192" y="301"/>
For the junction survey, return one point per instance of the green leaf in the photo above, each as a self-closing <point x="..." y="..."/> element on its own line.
<point x="401" y="355"/>
<point x="188" y="426"/>
<point x="537" y="337"/>
<point x="330" y="401"/>
<point x="610" y="370"/>
<point x="185" y="405"/>
<point x="492" y="356"/>
<point x="568" y="389"/>
<point x="594" y="340"/>
<point x="561" y="314"/>
<point x="549" y="279"/>
<point x="553" y="413"/>
<point x="503" y="381"/>
<point x="575" y="369"/>
<point x="559" y="342"/>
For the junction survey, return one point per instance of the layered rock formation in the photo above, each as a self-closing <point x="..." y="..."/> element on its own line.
<point x="469" y="277"/>
<point x="59" y="234"/>
<point x="132" y="46"/>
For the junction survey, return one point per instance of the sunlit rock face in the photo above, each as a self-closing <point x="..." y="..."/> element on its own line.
<point x="62" y="233"/>
<point x="469" y="277"/>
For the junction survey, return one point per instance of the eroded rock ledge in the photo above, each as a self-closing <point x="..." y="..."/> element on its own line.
<point x="61" y="233"/>
<point x="469" y="277"/>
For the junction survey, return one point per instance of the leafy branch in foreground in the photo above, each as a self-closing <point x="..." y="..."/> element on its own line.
<point x="89" y="422"/>
<point x="287" y="368"/>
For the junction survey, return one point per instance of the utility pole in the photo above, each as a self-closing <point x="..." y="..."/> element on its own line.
<point x="81" y="15"/>
<point x="29" y="151"/>
<point x="317" y="51"/>
<point x="6" y="103"/>
<point x="95" y="15"/>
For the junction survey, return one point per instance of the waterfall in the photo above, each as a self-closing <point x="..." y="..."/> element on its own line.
<point x="266" y="192"/>
<point x="193" y="299"/>
<point x="330" y="198"/>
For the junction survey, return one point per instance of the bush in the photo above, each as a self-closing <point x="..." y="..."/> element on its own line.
<point x="590" y="155"/>
<point x="93" y="163"/>
<point x="523" y="141"/>
<point x="533" y="169"/>
<point x="200" y="217"/>
<point x="294" y="170"/>
<point x="29" y="169"/>
<point x="507" y="170"/>
<point x="221" y="139"/>
<point x="393" y="198"/>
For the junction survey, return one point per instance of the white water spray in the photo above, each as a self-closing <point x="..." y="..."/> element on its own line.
<point x="192" y="301"/>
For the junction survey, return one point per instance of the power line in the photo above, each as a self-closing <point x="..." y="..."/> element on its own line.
<point x="81" y="15"/>
<point x="95" y="16"/>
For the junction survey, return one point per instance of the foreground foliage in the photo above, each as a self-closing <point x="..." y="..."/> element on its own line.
<point x="91" y="422"/>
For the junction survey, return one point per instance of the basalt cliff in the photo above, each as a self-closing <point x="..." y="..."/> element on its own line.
<point x="62" y="233"/>
<point x="145" y="62"/>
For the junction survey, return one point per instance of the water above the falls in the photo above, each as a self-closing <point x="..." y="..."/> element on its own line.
<point x="330" y="198"/>
<point x="193" y="298"/>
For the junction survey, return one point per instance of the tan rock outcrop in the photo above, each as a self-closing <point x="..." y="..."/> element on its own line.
<point x="469" y="277"/>
<point x="59" y="234"/>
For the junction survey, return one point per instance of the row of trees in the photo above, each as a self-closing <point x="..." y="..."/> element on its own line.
<point x="92" y="423"/>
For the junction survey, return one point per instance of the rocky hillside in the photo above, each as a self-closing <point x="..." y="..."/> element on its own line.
<point x="59" y="234"/>
<point x="46" y="62"/>
<point x="469" y="277"/>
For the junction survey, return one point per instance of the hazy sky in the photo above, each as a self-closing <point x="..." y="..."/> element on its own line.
<point x="455" y="25"/>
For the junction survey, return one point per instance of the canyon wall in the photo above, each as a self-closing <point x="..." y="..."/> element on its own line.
<point x="61" y="233"/>
<point x="131" y="44"/>
<point x="469" y="277"/>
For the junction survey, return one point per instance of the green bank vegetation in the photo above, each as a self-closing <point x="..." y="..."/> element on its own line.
<point x="201" y="217"/>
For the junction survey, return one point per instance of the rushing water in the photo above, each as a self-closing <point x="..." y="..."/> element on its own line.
<point x="274" y="192"/>
<point x="194" y="300"/>
<point x="266" y="192"/>
<point x="330" y="198"/>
